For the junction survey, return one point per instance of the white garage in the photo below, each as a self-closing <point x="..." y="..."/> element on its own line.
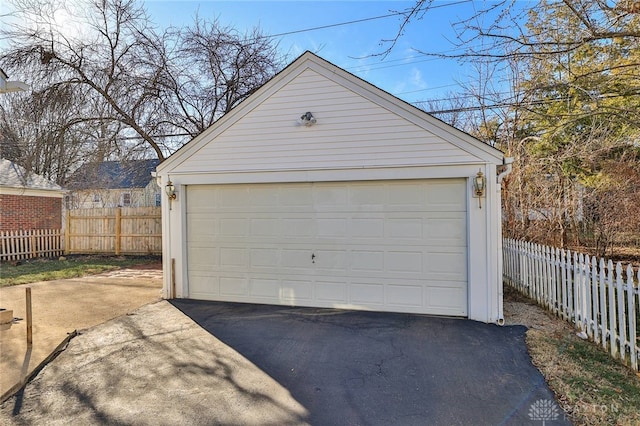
<point x="323" y="190"/>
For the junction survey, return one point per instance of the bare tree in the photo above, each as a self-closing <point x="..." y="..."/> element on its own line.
<point x="214" y="69"/>
<point x="126" y="87"/>
<point x="39" y="132"/>
<point x="112" y="57"/>
<point x="573" y="67"/>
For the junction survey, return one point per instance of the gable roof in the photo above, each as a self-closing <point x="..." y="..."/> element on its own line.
<point x="306" y="68"/>
<point x="113" y="175"/>
<point x="14" y="176"/>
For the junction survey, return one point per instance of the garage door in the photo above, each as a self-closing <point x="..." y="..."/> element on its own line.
<point x="384" y="245"/>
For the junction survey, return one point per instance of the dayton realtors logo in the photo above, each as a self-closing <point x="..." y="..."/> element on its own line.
<point x="544" y="410"/>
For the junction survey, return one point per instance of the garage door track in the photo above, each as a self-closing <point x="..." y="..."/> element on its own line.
<point x="359" y="368"/>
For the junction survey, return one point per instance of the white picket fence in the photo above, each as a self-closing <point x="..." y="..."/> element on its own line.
<point x="601" y="300"/>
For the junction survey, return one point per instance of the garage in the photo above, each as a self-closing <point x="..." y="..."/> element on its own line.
<point x="322" y="190"/>
<point x="388" y="246"/>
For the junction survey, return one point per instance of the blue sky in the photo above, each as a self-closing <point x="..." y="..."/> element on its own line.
<point x="404" y="73"/>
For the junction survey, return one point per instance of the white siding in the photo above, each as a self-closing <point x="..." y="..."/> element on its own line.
<point x="351" y="131"/>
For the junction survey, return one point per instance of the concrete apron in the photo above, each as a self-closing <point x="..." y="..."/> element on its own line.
<point x="61" y="307"/>
<point x="154" y="366"/>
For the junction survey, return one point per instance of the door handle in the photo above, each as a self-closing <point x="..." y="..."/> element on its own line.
<point x="313" y="257"/>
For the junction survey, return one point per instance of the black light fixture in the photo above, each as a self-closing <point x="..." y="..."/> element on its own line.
<point x="170" y="189"/>
<point x="479" y="186"/>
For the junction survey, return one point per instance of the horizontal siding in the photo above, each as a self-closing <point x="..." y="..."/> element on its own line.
<point x="351" y="132"/>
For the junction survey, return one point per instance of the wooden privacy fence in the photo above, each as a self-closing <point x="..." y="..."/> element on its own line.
<point x="27" y="244"/>
<point x="602" y="301"/>
<point x="120" y="230"/>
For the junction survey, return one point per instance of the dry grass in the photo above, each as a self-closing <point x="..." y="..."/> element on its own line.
<point x="34" y="270"/>
<point x="592" y="387"/>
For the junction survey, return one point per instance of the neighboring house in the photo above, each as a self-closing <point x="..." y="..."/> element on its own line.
<point x="323" y="190"/>
<point x="114" y="184"/>
<point x="27" y="200"/>
<point x="7" y="86"/>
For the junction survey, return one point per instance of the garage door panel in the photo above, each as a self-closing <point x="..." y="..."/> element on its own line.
<point x="201" y="199"/>
<point x="405" y="196"/>
<point x="202" y="228"/>
<point x="295" y="227"/>
<point x="405" y="295"/>
<point x="234" y="227"/>
<point x="447" y="263"/>
<point x="264" y="258"/>
<point x="367" y="294"/>
<point x="445" y="195"/>
<point x="366" y="196"/>
<point x="204" y="285"/>
<point x="445" y="300"/>
<point x="329" y="197"/>
<point x="449" y="230"/>
<point x="390" y="246"/>
<point x="404" y="227"/>
<point x="233" y="197"/>
<point x="331" y="227"/>
<point x="264" y="196"/>
<point x="361" y="227"/>
<point x="296" y="258"/>
<point x="234" y="286"/>
<point x="270" y="227"/>
<point x="331" y="291"/>
<point x="333" y="261"/>
<point x="297" y="291"/>
<point x="234" y="257"/>
<point x="403" y="261"/>
<point x="296" y="195"/>
<point x="371" y="261"/>
<point x="203" y="258"/>
<point x="266" y="288"/>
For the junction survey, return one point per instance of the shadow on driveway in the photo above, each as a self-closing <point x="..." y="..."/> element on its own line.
<point x="350" y="367"/>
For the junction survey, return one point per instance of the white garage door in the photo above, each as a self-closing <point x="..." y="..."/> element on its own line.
<point x="384" y="245"/>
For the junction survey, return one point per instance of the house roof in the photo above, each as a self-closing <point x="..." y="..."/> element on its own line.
<point x="113" y="175"/>
<point x="352" y="83"/>
<point x="14" y="176"/>
<point x="7" y="86"/>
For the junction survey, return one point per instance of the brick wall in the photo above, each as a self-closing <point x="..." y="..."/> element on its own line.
<point x="21" y="212"/>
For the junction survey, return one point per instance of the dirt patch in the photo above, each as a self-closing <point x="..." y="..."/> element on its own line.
<point x="156" y="266"/>
<point x="520" y="310"/>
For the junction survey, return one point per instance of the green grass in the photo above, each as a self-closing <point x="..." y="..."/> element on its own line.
<point x="74" y="266"/>
<point x="593" y="388"/>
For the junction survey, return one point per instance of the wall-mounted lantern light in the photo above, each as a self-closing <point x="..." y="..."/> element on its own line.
<point x="479" y="186"/>
<point x="170" y="189"/>
<point x="308" y="119"/>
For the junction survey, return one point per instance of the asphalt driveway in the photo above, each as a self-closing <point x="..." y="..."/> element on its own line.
<point x="269" y="365"/>
<point x="359" y="368"/>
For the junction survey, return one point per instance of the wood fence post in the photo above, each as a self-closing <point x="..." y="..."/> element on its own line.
<point x="67" y="233"/>
<point x="173" y="279"/>
<point x="632" y="318"/>
<point x="29" y="318"/>
<point x="118" y="230"/>
<point x="32" y="241"/>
